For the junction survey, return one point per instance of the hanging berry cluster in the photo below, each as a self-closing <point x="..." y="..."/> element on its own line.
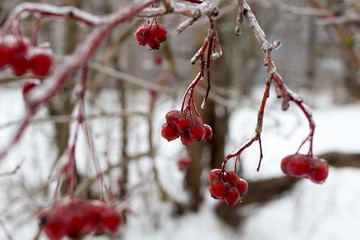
<point x="78" y="217"/>
<point x="302" y="165"/>
<point x="226" y="186"/>
<point x="188" y="127"/>
<point x="151" y="34"/>
<point x="17" y="53"/>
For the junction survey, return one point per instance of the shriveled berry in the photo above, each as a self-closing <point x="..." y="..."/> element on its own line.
<point x="169" y="132"/>
<point x="40" y="62"/>
<point x="231" y="196"/>
<point x="319" y="170"/>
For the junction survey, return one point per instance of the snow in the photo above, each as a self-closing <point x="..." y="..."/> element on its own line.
<point x="313" y="212"/>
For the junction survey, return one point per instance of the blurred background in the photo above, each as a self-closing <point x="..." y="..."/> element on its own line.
<point x="161" y="187"/>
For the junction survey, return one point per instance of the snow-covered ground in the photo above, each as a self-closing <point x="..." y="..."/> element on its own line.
<point x="314" y="212"/>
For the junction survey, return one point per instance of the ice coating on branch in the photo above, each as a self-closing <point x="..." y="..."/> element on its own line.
<point x="49" y="10"/>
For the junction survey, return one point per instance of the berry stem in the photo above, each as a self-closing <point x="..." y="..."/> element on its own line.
<point x="88" y="137"/>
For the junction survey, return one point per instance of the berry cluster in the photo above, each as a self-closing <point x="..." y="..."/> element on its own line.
<point x="186" y="126"/>
<point x="20" y="56"/>
<point x="77" y="217"/>
<point x="226" y="186"/>
<point x="151" y="34"/>
<point x="301" y="165"/>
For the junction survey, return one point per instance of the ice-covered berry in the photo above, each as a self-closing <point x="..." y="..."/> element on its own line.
<point x="169" y="132"/>
<point x="40" y="61"/>
<point x="318" y="171"/>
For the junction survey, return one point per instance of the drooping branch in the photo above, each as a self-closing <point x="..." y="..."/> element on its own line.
<point x="272" y="77"/>
<point x="83" y="53"/>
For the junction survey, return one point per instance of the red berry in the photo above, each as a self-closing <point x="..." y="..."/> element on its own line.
<point x="159" y="32"/>
<point x="197" y="132"/>
<point x="319" y="170"/>
<point x="6" y="50"/>
<point x="173" y="116"/>
<point x="183" y="163"/>
<point x="40" y="62"/>
<point x="143" y="34"/>
<point x="208" y="133"/>
<point x="217" y="189"/>
<point x="19" y="65"/>
<point x="284" y="165"/>
<point x="242" y="186"/>
<point x="158" y="59"/>
<point x="154" y="44"/>
<point x="76" y="223"/>
<point x="185" y="138"/>
<point x="183" y="123"/>
<point x="28" y="86"/>
<point x="110" y="219"/>
<point x="232" y="196"/>
<point x="55" y="230"/>
<point x="168" y="132"/>
<point x="298" y="165"/>
<point x="214" y="175"/>
<point x="231" y="178"/>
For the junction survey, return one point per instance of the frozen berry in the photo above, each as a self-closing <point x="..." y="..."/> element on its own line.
<point x="197" y="132"/>
<point x="298" y="165"/>
<point x="185" y="138"/>
<point x="76" y="223"/>
<point x="173" y="116"/>
<point x="208" y="133"/>
<point x="217" y="189"/>
<point x="214" y="175"/>
<point x="28" y="86"/>
<point x="154" y="44"/>
<point x="55" y="230"/>
<point x="142" y="34"/>
<point x="168" y="132"/>
<point x="183" y="123"/>
<point x="40" y="62"/>
<point x="183" y="163"/>
<point x="159" y="32"/>
<point x="110" y="219"/>
<point x="232" y="196"/>
<point x="284" y="165"/>
<point x="6" y="50"/>
<point x="319" y="170"/>
<point x="242" y="186"/>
